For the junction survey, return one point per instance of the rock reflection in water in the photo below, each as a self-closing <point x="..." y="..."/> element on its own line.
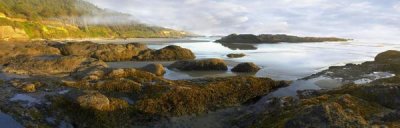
<point x="239" y="46"/>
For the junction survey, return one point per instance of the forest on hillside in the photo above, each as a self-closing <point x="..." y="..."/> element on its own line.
<point x="75" y="19"/>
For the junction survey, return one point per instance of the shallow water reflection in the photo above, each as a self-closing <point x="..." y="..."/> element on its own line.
<point x="6" y="121"/>
<point x="280" y="61"/>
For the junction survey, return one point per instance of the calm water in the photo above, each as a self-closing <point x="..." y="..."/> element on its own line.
<point x="283" y="61"/>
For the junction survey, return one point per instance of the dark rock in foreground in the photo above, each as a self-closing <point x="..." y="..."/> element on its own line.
<point x="169" y="53"/>
<point x="200" y="65"/>
<point x="268" y="38"/>
<point x="246" y="67"/>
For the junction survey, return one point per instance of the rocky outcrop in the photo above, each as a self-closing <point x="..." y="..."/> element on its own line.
<point x="190" y="97"/>
<point x="387" y="62"/>
<point x="104" y="52"/>
<point x="124" y="52"/>
<point x="200" y="65"/>
<point x="114" y="80"/>
<point x="233" y="55"/>
<point x="49" y="65"/>
<point x="268" y="38"/>
<point x="390" y="56"/>
<point x="157" y="69"/>
<point x="10" y="50"/>
<point x="246" y="67"/>
<point x="156" y="95"/>
<point x="169" y="53"/>
<point x="331" y="111"/>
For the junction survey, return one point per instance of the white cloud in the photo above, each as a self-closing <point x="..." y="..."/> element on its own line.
<point x="351" y="19"/>
<point x="397" y="7"/>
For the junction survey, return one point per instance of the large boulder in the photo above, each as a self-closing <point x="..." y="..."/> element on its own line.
<point x="49" y="65"/>
<point x="246" y="67"/>
<point x="390" y="56"/>
<point x="157" y="69"/>
<point x="200" y="65"/>
<point x="169" y="53"/>
<point x="104" y="52"/>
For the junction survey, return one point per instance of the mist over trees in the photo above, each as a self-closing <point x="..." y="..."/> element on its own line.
<point x="91" y="20"/>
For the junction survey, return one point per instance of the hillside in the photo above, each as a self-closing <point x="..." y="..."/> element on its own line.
<point x="269" y="38"/>
<point x="54" y="19"/>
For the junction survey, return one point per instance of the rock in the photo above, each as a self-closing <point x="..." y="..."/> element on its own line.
<point x="29" y="88"/>
<point x="104" y="52"/>
<point x="200" y="96"/>
<point x="48" y="65"/>
<point x="114" y="80"/>
<point x="94" y="100"/>
<point x="200" y="65"/>
<point x="169" y="53"/>
<point x="157" y="69"/>
<point x="240" y="55"/>
<point x="242" y="38"/>
<point x="268" y="38"/>
<point x="338" y="113"/>
<point x="239" y="46"/>
<point x="10" y="50"/>
<point x="390" y="56"/>
<point x="246" y="67"/>
<point x="157" y="95"/>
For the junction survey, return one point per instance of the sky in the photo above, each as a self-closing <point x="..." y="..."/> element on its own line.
<point x="356" y="19"/>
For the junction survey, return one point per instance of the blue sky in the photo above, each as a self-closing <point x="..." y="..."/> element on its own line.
<point x="359" y="19"/>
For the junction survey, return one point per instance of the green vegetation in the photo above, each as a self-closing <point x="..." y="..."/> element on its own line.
<point x="54" y="19"/>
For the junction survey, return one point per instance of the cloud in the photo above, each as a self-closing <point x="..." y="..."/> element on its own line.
<point x="397" y="7"/>
<point x="350" y="19"/>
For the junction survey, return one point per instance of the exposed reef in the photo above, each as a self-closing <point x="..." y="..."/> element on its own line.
<point x="268" y="38"/>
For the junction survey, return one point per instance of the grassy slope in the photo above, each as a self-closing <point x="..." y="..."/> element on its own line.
<point x="62" y="19"/>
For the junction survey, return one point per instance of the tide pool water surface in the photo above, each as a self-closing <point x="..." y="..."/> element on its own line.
<point x="279" y="61"/>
